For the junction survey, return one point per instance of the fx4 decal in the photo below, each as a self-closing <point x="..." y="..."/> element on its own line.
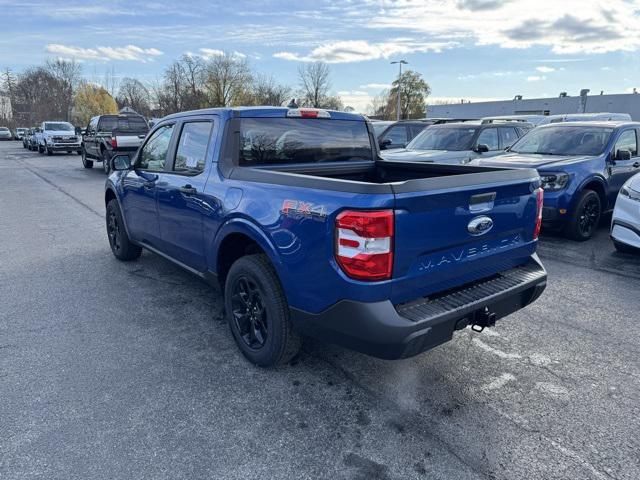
<point x="300" y="209"/>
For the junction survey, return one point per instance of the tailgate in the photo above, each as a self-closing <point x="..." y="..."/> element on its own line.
<point x="129" y="140"/>
<point x="454" y="230"/>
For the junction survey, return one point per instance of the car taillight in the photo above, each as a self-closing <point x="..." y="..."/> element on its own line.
<point x="364" y="244"/>
<point x="539" y="202"/>
<point x="114" y="142"/>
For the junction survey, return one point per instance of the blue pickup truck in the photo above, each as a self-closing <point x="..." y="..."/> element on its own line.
<point x="308" y="232"/>
<point x="582" y="166"/>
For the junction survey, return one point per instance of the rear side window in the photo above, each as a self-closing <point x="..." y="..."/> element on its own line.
<point x="192" y="147"/>
<point x="627" y="141"/>
<point x="272" y="141"/>
<point x="509" y="136"/>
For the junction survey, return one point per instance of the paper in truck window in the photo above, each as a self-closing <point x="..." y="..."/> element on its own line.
<point x="192" y="147"/>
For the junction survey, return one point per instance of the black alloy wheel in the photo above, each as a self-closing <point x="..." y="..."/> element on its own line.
<point x="114" y="232"/>
<point x="589" y="216"/>
<point x="249" y="313"/>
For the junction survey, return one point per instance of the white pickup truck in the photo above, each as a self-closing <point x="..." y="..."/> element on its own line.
<point x="107" y="135"/>
<point x="57" y="137"/>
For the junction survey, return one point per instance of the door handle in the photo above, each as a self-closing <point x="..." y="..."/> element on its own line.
<point x="636" y="165"/>
<point x="188" y="190"/>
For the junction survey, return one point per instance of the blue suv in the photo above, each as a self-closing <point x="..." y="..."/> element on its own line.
<point x="582" y="165"/>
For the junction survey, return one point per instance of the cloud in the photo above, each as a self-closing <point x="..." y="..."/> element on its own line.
<point x="566" y="27"/>
<point x="536" y="78"/>
<point x="129" y="52"/>
<point x="480" y="5"/>
<point x="361" y="50"/>
<point x="210" y="53"/>
<point x="376" y="86"/>
<point x="544" y="69"/>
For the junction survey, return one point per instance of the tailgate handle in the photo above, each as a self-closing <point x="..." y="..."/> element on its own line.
<point x="482" y="202"/>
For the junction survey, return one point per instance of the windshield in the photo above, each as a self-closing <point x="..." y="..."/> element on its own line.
<point x="443" y="138"/>
<point x="267" y="141"/>
<point x="4" y="129"/>
<point x="564" y="140"/>
<point x="379" y="127"/>
<point x="59" y="126"/>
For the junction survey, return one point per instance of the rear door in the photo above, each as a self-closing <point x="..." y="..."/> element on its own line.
<point x="456" y="229"/>
<point x="508" y="136"/>
<point x="181" y="199"/>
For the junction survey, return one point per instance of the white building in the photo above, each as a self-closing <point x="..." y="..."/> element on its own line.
<point x="583" y="103"/>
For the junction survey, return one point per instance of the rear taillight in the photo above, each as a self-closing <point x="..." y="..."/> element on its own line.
<point x="364" y="244"/>
<point x="114" y="142"/>
<point x="539" y="202"/>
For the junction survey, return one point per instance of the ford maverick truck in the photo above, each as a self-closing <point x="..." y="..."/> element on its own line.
<point x="308" y="232"/>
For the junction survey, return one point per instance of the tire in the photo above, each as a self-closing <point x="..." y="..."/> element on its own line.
<point x="105" y="162"/>
<point x="258" y="313"/>
<point x="86" y="163"/>
<point x="48" y="150"/>
<point x="624" y="248"/>
<point x="79" y="152"/>
<point x="123" y="249"/>
<point x="585" y="218"/>
<point x="40" y="149"/>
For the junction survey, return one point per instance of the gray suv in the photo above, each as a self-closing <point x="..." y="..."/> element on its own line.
<point x="459" y="143"/>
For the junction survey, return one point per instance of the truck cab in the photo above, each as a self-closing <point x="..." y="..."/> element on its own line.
<point x="309" y="232"/>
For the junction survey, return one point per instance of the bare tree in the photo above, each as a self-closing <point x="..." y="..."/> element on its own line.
<point x="193" y="73"/>
<point x="266" y="91"/>
<point x="67" y="74"/>
<point x="38" y="94"/>
<point x="227" y="80"/>
<point x="132" y="93"/>
<point x="315" y="83"/>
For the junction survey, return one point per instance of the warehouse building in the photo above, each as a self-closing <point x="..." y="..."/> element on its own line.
<point x="583" y="103"/>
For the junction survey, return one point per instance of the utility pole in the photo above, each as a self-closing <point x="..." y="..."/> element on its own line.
<point x="400" y="63"/>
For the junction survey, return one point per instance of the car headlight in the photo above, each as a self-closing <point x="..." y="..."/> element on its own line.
<point x="626" y="191"/>
<point x="552" y="182"/>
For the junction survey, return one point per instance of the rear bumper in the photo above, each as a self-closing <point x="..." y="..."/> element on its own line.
<point x="384" y="330"/>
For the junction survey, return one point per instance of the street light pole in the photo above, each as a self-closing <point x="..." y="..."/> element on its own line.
<point x="400" y="63"/>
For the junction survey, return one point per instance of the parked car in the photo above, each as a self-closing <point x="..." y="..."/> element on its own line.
<point x="459" y="143"/>
<point x="625" y="223"/>
<point x="32" y="139"/>
<point x="107" y="135"/>
<point x="398" y="134"/>
<point x="5" y="133"/>
<point x="582" y="166"/>
<point x="57" y="136"/>
<point x="328" y="242"/>
<point x="20" y="133"/>
<point x="586" y="117"/>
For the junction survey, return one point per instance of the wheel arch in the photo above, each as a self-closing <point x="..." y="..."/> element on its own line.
<point x="597" y="185"/>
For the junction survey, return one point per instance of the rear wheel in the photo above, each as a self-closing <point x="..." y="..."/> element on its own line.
<point x="258" y="313"/>
<point x="624" y="248"/>
<point x="86" y="163"/>
<point x="122" y="248"/>
<point x="586" y="216"/>
<point x="105" y="162"/>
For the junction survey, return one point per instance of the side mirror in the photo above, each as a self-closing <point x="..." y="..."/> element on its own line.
<point x="623" y="155"/>
<point x="83" y="132"/>
<point x="482" y="148"/>
<point x="121" y="162"/>
<point x="385" y="143"/>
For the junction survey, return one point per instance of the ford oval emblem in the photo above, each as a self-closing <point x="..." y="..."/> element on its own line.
<point x="480" y="225"/>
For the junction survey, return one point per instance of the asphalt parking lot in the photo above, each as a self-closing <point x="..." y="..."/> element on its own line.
<point x="121" y="371"/>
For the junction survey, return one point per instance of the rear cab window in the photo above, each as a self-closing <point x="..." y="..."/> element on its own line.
<point x="278" y="141"/>
<point x="128" y="123"/>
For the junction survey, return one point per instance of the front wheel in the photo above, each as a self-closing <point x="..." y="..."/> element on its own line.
<point x="586" y="216"/>
<point x="122" y="248"/>
<point x="258" y="313"/>
<point x="624" y="248"/>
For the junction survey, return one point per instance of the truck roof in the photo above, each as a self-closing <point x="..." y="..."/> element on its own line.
<point x="586" y="123"/>
<point x="260" y="112"/>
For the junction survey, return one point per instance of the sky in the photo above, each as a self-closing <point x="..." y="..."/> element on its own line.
<point x="465" y="49"/>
